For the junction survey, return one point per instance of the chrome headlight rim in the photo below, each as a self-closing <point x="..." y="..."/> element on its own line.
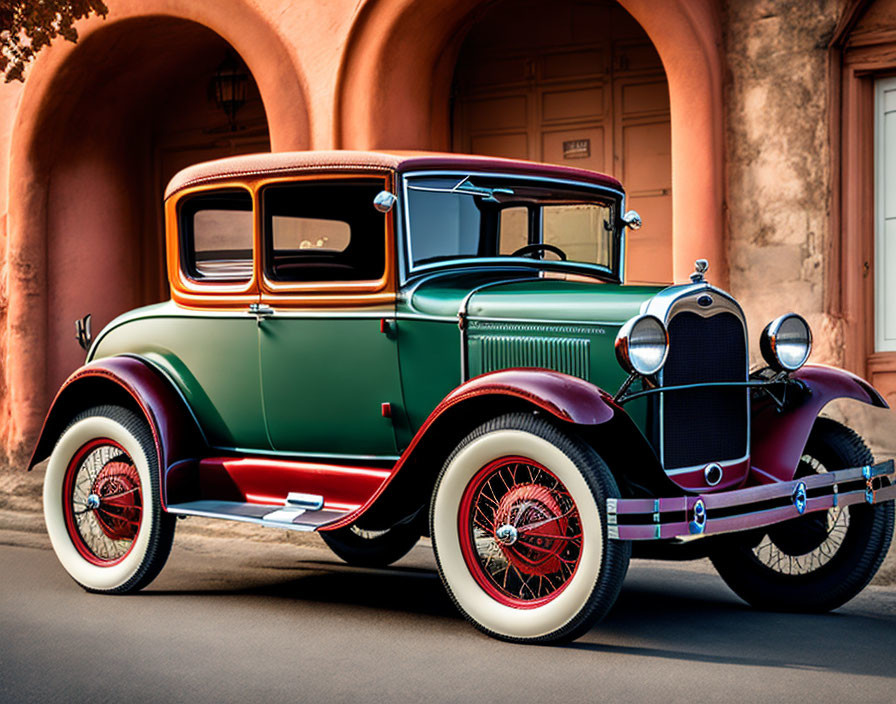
<point x="775" y="351"/>
<point x="627" y="353"/>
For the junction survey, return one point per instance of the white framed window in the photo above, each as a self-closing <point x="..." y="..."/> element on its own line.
<point x="885" y="215"/>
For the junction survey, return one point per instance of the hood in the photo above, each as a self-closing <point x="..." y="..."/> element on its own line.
<point x="520" y="295"/>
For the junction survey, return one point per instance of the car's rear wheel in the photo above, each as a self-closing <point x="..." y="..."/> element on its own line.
<point x="519" y="529"/>
<point x="102" y="505"/>
<point x="819" y="561"/>
<point x="372" y="548"/>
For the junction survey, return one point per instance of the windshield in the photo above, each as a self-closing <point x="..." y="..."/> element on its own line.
<point x="479" y="216"/>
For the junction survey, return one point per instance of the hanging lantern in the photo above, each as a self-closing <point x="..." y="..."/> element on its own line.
<point x="231" y="84"/>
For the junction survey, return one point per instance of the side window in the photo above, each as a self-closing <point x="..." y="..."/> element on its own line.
<point x="324" y="231"/>
<point x="216" y="236"/>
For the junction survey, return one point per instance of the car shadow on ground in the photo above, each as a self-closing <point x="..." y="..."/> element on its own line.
<point x="662" y="613"/>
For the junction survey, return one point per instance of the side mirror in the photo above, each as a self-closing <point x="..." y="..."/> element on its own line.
<point x="632" y="220"/>
<point x="384" y="201"/>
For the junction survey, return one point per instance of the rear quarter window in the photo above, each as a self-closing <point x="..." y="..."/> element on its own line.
<point x="216" y="236"/>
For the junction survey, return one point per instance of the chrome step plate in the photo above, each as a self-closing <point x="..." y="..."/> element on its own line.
<point x="289" y="516"/>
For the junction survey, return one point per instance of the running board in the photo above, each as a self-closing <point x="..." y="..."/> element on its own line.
<point x="302" y="512"/>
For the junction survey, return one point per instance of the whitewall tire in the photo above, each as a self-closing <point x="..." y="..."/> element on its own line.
<point x="518" y="524"/>
<point x="101" y="502"/>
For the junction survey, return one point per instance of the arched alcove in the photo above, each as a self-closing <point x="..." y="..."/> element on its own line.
<point x="547" y="87"/>
<point x="101" y="128"/>
<point x="389" y="103"/>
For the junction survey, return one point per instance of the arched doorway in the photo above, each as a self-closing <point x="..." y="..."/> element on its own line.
<point x="382" y="102"/>
<point x="142" y="105"/>
<point x="547" y="86"/>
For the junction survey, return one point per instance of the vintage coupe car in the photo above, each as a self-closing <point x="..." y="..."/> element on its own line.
<point x="379" y="346"/>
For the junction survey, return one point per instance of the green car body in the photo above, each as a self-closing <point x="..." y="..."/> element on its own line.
<point x="323" y="382"/>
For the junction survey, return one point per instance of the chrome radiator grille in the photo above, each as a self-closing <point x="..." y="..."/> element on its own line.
<point x="709" y="424"/>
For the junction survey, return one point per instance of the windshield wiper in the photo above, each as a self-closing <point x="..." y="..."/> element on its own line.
<point x="466" y="187"/>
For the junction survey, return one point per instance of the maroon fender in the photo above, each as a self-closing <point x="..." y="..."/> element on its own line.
<point x="132" y="382"/>
<point x="778" y="438"/>
<point x="568" y="398"/>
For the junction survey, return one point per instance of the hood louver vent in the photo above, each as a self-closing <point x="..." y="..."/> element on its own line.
<point x="567" y="355"/>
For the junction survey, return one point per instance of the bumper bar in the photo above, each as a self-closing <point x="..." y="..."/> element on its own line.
<point x="745" y="509"/>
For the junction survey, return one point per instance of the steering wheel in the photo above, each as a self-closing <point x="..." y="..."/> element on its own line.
<point x="539" y="246"/>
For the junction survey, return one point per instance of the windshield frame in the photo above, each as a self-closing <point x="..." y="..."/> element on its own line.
<point x="612" y="274"/>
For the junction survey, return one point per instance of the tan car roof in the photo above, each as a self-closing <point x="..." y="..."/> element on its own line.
<point x="285" y="163"/>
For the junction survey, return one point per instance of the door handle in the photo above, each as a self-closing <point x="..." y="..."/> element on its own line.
<point x="260" y="310"/>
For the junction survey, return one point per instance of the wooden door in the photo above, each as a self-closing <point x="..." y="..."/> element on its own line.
<point x="577" y="84"/>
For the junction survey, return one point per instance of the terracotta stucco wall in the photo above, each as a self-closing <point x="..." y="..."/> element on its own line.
<point x="334" y="74"/>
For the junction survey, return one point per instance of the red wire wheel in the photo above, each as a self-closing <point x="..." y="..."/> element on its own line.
<point x="103" y="502"/>
<point x="520" y="532"/>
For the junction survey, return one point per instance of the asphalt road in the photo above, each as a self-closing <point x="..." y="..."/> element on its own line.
<point x="288" y="623"/>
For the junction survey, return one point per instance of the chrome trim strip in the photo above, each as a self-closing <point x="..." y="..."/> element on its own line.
<point x="242" y="519"/>
<point x="545" y="321"/>
<point x="309" y="502"/>
<point x="724" y="464"/>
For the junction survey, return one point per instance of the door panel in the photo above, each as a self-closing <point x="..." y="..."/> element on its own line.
<point x="325" y="380"/>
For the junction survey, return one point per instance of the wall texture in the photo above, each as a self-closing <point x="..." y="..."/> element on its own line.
<point x="778" y="156"/>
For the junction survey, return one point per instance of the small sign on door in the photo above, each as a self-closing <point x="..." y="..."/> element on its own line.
<point x="577" y="149"/>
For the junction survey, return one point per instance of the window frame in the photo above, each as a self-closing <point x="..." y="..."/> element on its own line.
<point x="379" y="290"/>
<point x="187" y="238"/>
<point x="207" y="293"/>
<point x="612" y="274"/>
<point x="882" y="345"/>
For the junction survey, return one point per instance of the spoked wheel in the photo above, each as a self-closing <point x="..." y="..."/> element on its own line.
<point x="525" y="536"/>
<point x="819" y="561"/>
<point x="518" y="523"/>
<point x="101" y="502"/>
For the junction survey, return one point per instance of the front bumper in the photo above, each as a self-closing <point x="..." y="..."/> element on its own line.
<point x="745" y="509"/>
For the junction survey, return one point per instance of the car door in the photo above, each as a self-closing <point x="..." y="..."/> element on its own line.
<point x="329" y="359"/>
<point x="208" y="342"/>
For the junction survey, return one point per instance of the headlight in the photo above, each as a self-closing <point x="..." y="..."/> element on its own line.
<point x="786" y="342"/>
<point x="642" y="345"/>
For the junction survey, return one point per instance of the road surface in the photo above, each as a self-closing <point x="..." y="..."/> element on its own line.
<point x="230" y="621"/>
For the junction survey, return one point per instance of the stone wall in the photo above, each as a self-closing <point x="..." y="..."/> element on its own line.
<point x="778" y="167"/>
<point x="778" y="161"/>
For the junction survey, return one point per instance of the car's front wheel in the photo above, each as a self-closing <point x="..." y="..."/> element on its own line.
<point x="819" y="561"/>
<point x="519" y="529"/>
<point x="101" y="502"/>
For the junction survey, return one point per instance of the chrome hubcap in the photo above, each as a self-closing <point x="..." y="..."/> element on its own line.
<point x="93" y="502"/>
<point x="506" y="534"/>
